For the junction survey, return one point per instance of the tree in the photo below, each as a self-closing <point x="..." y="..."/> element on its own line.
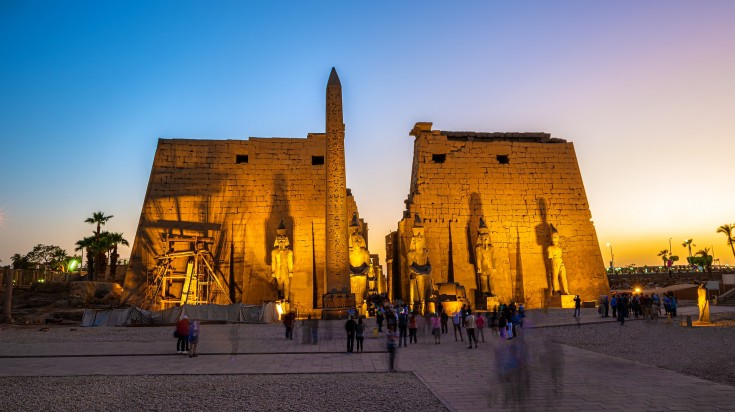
<point x="729" y="232"/>
<point x="688" y="243"/>
<point x="48" y="255"/>
<point x="702" y="259"/>
<point x="20" y="261"/>
<point x="664" y="254"/>
<point x="99" y="218"/>
<point x="116" y="239"/>
<point x="88" y="244"/>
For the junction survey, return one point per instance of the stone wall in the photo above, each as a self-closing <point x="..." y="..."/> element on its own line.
<point x="237" y="192"/>
<point x="520" y="183"/>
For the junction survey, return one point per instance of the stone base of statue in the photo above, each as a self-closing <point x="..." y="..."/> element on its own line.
<point x="561" y="301"/>
<point x="358" y="286"/>
<point x="492" y="302"/>
<point x="337" y="305"/>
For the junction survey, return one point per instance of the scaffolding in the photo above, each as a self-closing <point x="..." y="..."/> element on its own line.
<point x="198" y="284"/>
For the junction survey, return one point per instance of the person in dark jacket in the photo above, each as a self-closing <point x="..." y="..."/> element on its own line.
<point x="182" y="333"/>
<point x="350" y="326"/>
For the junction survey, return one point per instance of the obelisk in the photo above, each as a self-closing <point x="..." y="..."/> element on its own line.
<point x="337" y="266"/>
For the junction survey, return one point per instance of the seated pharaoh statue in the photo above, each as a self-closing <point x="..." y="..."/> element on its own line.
<point x="418" y="253"/>
<point x="485" y="259"/>
<point x="358" y="255"/>
<point x="558" y="271"/>
<point x="282" y="263"/>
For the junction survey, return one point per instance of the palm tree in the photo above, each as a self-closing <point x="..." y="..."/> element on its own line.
<point x="703" y="258"/>
<point x="729" y="231"/>
<point x="99" y="218"/>
<point x="664" y="255"/>
<point x="88" y="244"/>
<point x="102" y="246"/>
<point x="116" y="239"/>
<point x="19" y="261"/>
<point x="688" y="243"/>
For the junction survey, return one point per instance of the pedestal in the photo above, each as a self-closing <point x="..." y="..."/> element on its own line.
<point x="492" y="302"/>
<point x="336" y="305"/>
<point x="562" y="301"/>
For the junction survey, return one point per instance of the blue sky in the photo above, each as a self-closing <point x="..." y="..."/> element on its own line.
<point x="643" y="89"/>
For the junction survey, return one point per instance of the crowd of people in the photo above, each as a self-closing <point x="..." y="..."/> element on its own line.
<point x="647" y="306"/>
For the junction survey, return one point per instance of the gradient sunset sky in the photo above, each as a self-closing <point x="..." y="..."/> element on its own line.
<point x="644" y="89"/>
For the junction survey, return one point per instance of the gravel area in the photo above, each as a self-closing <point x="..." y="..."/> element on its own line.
<point x="707" y="351"/>
<point x="291" y="392"/>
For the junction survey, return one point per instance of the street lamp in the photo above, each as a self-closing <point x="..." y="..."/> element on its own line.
<point x="612" y="258"/>
<point x="671" y="252"/>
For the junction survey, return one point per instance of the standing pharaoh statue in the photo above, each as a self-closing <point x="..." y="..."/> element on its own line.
<point x="360" y="264"/>
<point x="485" y="259"/>
<point x="418" y="264"/>
<point x="703" y="304"/>
<point x="558" y="271"/>
<point x="282" y="263"/>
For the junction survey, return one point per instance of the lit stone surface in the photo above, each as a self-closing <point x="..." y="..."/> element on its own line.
<point x="521" y="184"/>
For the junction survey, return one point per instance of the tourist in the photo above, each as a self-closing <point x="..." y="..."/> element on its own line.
<point x="577" y="306"/>
<point x="403" y="327"/>
<point x="622" y="309"/>
<point x="614" y="305"/>
<point x="521" y="314"/>
<point x="494" y="321"/>
<point x="635" y="304"/>
<point x="480" y="322"/>
<point x="182" y="333"/>
<point x="379" y="319"/>
<point x="502" y="323"/>
<point x="444" y="321"/>
<point x="436" y="328"/>
<point x="656" y="305"/>
<point x="667" y="304"/>
<point x="470" y="325"/>
<point x="672" y="304"/>
<point x="457" y="322"/>
<point x="392" y="340"/>
<point x="359" y="334"/>
<point x="288" y="323"/>
<point x="350" y="329"/>
<point x="412" y="328"/>
<point x="606" y="303"/>
<point x="193" y="338"/>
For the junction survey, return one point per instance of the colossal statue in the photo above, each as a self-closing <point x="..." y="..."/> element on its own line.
<point x="282" y="263"/>
<point x="418" y="253"/>
<point x="703" y="304"/>
<point x="485" y="259"/>
<point x="558" y="271"/>
<point x="359" y="256"/>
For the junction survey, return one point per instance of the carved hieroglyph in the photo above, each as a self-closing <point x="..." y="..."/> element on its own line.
<point x="336" y="215"/>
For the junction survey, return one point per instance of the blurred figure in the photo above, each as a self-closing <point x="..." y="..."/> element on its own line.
<point x="436" y="328"/>
<point x="193" y="338"/>
<point x="391" y="344"/>
<point x="513" y="373"/>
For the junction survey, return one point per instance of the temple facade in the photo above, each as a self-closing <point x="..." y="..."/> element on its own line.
<point x="496" y="212"/>
<point x="250" y="203"/>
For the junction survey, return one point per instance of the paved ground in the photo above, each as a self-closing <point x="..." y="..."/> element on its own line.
<point x="528" y="373"/>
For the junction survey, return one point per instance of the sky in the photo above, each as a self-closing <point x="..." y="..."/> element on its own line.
<point x="644" y="89"/>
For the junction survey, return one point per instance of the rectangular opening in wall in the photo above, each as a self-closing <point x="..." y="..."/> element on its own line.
<point x="503" y="159"/>
<point x="317" y="160"/>
<point x="439" y="158"/>
<point x="241" y="159"/>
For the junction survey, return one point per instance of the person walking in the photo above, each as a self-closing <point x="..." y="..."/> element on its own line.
<point x="412" y="328"/>
<point x="457" y="322"/>
<point x="480" y="322"/>
<point x="193" y="338"/>
<point x="379" y="319"/>
<point x="577" y="306"/>
<point x="403" y="328"/>
<point x="606" y="302"/>
<point x="391" y="344"/>
<point x="622" y="309"/>
<point x="350" y="329"/>
<point x="359" y="334"/>
<point x="444" y="321"/>
<point x="182" y="333"/>
<point x="470" y="325"/>
<point x="436" y="328"/>
<point x="288" y="323"/>
<point x="614" y="305"/>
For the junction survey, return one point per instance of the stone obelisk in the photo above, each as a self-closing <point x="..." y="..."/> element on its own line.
<point x="337" y="266"/>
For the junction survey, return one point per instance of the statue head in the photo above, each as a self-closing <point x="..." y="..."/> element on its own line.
<point x="281" y="238"/>
<point x="554" y="236"/>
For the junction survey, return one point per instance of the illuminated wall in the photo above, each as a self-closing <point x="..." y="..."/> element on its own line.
<point x="237" y="191"/>
<point x="521" y="183"/>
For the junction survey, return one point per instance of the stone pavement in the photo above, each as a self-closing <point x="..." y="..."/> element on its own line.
<point x="526" y="373"/>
